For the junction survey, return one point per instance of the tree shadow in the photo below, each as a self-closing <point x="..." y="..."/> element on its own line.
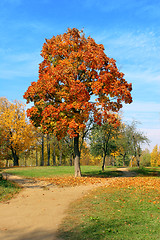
<point x="146" y="172"/>
<point x="103" y="174"/>
<point x="96" y="229"/>
<point x="24" y="234"/>
<point x="26" y="182"/>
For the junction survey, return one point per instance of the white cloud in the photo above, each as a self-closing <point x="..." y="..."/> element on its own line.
<point x="18" y="65"/>
<point x="146" y="113"/>
<point x="147" y="76"/>
<point x="135" y="51"/>
<point x="153" y="135"/>
<point x="138" y="106"/>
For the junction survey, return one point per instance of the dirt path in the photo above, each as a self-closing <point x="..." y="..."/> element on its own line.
<point x="126" y="172"/>
<point x="37" y="211"/>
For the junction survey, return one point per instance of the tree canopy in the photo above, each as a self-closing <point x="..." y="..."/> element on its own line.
<point x="74" y="71"/>
<point x="16" y="133"/>
<point x="103" y="140"/>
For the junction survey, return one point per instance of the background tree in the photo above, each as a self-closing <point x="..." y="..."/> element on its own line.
<point x="145" y="159"/>
<point x="74" y="69"/>
<point x="123" y="145"/>
<point x="136" y="139"/>
<point x="102" y="140"/>
<point x="154" y="156"/>
<point x="130" y="142"/>
<point x="16" y="131"/>
<point x="5" y="152"/>
<point x="85" y="154"/>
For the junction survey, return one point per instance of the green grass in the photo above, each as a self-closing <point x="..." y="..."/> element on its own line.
<point x="41" y="171"/>
<point x="94" y="171"/>
<point x="90" y="171"/>
<point x="146" y="171"/>
<point x="121" y="213"/>
<point x="7" y="190"/>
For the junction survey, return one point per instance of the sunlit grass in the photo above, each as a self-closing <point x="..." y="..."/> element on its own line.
<point x="37" y="172"/>
<point x="129" y="209"/>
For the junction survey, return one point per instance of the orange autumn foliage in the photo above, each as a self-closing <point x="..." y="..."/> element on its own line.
<point x="75" y="68"/>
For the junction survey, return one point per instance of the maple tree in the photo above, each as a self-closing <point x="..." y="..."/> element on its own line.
<point x="74" y="69"/>
<point x="16" y="131"/>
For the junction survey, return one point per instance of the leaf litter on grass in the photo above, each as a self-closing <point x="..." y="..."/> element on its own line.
<point x="70" y="181"/>
<point x="128" y="208"/>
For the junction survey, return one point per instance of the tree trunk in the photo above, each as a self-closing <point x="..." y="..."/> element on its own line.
<point x="54" y="157"/>
<point x="15" y="157"/>
<point x="7" y="163"/>
<point x="124" y="157"/>
<point x="42" y="149"/>
<point x="36" y="157"/>
<point x="138" y="162"/>
<point x="60" y="157"/>
<point x="104" y="160"/>
<point x="48" y="149"/>
<point x="138" y="156"/>
<point x="25" y="160"/>
<point x="71" y="159"/>
<point x="77" y="157"/>
<point x="54" y="151"/>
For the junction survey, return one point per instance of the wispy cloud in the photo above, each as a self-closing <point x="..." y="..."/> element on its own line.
<point x="108" y="6"/>
<point x="133" y="47"/>
<point x="146" y="113"/>
<point x="147" y="76"/>
<point x="154" y="137"/>
<point x="18" y="65"/>
<point x="142" y="107"/>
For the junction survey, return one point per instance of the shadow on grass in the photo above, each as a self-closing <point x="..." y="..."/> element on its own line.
<point x="24" y="234"/>
<point x="111" y="229"/>
<point x="94" y="230"/>
<point x="101" y="174"/>
<point x="148" y="172"/>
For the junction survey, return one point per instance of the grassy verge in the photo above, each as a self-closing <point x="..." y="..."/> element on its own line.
<point x="127" y="209"/>
<point x="63" y="176"/>
<point x="7" y="190"/>
<point x="147" y="171"/>
<point x="87" y="171"/>
<point x="41" y="171"/>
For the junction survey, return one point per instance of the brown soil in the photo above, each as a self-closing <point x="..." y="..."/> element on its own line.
<point x="37" y="211"/>
<point x="126" y="172"/>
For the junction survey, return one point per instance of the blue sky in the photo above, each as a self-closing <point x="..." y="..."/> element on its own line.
<point x="129" y="31"/>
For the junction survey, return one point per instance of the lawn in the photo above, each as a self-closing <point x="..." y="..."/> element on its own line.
<point x="7" y="189"/>
<point x="46" y="172"/>
<point x="129" y="208"/>
<point x="63" y="176"/>
<point x="146" y="171"/>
